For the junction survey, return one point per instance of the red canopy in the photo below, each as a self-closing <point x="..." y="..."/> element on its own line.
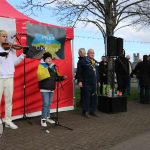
<point x="30" y="96"/>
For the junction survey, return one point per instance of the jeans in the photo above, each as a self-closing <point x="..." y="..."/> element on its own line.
<point x="46" y="101"/>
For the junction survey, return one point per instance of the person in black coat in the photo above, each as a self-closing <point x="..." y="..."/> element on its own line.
<point x="82" y="54"/>
<point x="128" y="90"/>
<point x="103" y="73"/>
<point x="122" y="73"/>
<point x="142" y="69"/>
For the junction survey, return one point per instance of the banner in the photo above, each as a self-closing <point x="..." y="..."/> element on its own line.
<point x="49" y="38"/>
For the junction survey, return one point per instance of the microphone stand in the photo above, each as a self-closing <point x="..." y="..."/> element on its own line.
<point x="57" y="123"/>
<point x="24" y="109"/>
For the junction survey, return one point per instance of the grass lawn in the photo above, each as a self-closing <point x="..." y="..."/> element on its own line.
<point x="133" y="96"/>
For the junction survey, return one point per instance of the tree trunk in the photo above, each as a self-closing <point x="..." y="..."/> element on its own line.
<point x="110" y="26"/>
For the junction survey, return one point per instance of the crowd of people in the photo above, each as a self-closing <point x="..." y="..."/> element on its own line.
<point x="91" y="76"/>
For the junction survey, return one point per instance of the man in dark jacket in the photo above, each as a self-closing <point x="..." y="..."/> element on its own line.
<point x="122" y="73"/>
<point x="142" y="69"/>
<point x="87" y="80"/>
<point x="102" y="71"/>
<point x="128" y="90"/>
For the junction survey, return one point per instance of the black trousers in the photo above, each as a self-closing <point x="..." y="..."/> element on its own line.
<point x="81" y="96"/>
<point x="89" y="101"/>
<point x="144" y="94"/>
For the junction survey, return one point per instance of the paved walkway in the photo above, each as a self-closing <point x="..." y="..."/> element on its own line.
<point x="119" y="131"/>
<point x="140" y="142"/>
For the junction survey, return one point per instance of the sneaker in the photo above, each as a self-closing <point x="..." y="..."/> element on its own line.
<point x="43" y="123"/>
<point x="11" y="125"/>
<point x="50" y="121"/>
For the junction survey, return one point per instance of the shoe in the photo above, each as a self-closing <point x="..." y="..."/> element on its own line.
<point x="43" y="123"/>
<point x="11" y="125"/>
<point x="50" y="121"/>
<point x="85" y="115"/>
<point x="93" y="114"/>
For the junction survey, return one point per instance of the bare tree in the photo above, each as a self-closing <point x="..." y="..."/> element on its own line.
<point x="144" y="13"/>
<point x="105" y="14"/>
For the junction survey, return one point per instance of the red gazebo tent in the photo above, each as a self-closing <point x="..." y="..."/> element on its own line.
<point x="26" y="91"/>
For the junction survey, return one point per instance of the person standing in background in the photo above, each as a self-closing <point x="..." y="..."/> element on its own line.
<point x="128" y="90"/>
<point x="82" y="54"/>
<point x="122" y="73"/>
<point x="142" y="69"/>
<point x="103" y="73"/>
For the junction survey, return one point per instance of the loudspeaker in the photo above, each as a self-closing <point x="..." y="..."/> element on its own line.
<point x="111" y="46"/>
<point x="112" y="104"/>
<point x="119" y="46"/>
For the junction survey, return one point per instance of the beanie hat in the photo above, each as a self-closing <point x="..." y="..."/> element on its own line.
<point x="46" y="55"/>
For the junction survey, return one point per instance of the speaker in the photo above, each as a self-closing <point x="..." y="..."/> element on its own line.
<point x="111" y="46"/>
<point x="119" y="46"/>
<point x="112" y="104"/>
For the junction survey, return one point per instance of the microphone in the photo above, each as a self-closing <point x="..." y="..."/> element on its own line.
<point x="55" y="66"/>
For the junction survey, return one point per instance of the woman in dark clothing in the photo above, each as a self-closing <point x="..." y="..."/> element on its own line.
<point x="82" y="54"/>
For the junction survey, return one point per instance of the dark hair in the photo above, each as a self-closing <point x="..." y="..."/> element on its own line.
<point x="47" y="54"/>
<point x="145" y="57"/>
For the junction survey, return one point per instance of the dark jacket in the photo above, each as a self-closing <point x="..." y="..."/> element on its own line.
<point x="103" y="72"/>
<point x="48" y="76"/>
<point x="87" y="72"/>
<point x="79" y="69"/>
<point x="122" y="67"/>
<point x="142" y="69"/>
